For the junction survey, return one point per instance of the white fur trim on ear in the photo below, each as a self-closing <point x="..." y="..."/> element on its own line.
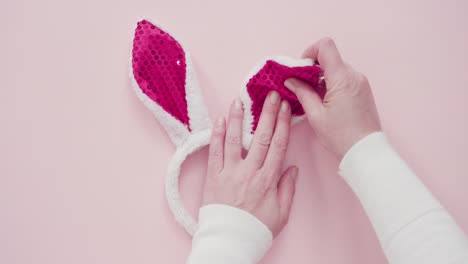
<point x="247" y="101"/>
<point x="197" y="111"/>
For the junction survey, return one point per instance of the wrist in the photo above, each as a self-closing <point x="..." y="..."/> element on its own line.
<point x="356" y="147"/>
<point x="344" y="147"/>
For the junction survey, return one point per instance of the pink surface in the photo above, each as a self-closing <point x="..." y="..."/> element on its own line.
<point x="83" y="161"/>
<point x="271" y="77"/>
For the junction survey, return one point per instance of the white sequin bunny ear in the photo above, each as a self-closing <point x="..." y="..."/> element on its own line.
<point x="165" y="81"/>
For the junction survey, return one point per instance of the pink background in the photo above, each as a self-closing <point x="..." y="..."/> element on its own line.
<point x="82" y="160"/>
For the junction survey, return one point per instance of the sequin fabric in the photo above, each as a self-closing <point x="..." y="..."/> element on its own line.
<point x="272" y="77"/>
<point x="159" y="67"/>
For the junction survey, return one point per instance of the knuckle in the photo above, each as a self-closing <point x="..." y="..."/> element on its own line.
<point x="215" y="150"/>
<point x="357" y="84"/>
<point x="217" y="132"/>
<point x="235" y="114"/>
<point x="257" y="160"/>
<point x="268" y="188"/>
<point x="328" y="42"/>
<point x="348" y="73"/>
<point x="281" y="143"/>
<point x="284" y="117"/>
<point x="269" y="109"/>
<point x="264" y="138"/>
<point x="362" y="79"/>
<point x="301" y="95"/>
<point x="233" y="140"/>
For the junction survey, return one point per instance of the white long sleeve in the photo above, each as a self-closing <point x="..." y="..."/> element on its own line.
<point x="411" y="225"/>
<point x="228" y="235"/>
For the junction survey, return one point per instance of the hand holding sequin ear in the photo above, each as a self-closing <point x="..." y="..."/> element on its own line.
<point x="347" y="112"/>
<point x="256" y="183"/>
<point x="270" y="75"/>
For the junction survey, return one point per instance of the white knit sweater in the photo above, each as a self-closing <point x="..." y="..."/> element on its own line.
<point x="410" y="223"/>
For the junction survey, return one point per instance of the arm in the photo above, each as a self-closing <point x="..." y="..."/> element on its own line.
<point x="246" y="201"/>
<point x="411" y="225"/>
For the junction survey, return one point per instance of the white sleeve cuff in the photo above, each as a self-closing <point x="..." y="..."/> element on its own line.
<point x="229" y="235"/>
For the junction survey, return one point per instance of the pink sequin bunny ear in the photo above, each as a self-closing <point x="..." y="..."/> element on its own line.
<point x="270" y="75"/>
<point x="165" y="81"/>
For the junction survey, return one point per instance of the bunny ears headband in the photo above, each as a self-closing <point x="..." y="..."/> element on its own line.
<point x="164" y="80"/>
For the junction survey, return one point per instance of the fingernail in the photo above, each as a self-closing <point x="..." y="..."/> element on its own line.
<point x="238" y="104"/>
<point x="274" y="97"/>
<point x="284" y="106"/>
<point x="290" y="84"/>
<point x="220" y="121"/>
<point x="295" y="172"/>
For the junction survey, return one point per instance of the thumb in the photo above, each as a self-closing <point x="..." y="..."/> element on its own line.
<point x="307" y="96"/>
<point x="286" y="190"/>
